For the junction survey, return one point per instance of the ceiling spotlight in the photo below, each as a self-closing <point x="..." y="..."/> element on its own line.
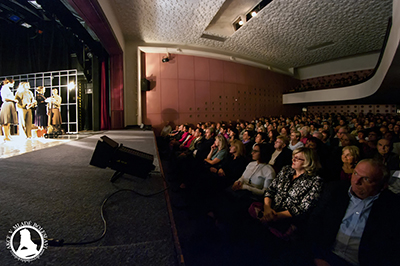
<point x="26" y="25"/>
<point x="241" y="22"/>
<point x="35" y="4"/>
<point x="253" y="14"/>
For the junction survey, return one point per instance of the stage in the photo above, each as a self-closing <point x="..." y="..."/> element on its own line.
<point x="50" y="182"/>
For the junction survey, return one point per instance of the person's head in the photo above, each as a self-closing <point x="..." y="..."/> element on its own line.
<point x="341" y="131"/>
<point x="55" y="91"/>
<point x="306" y="159"/>
<point x="220" y="142"/>
<point x="350" y="155"/>
<point x="222" y="129"/>
<point x="325" y="135"/>
<point x="186" y="128"/>
<point x="21" y="87"/>
<point x="305" y="131"/>
<point x="284" y="131"/>
<point x="317" y="135"/>
<point x="396" y="128"/>
<point x="234" y="133"/>
<point x="260" y="153"/>
<point x="247" y="135"/>
<point x="8" y="82"/>
<point x="41" y="89"/>
<point x="312" y="143"/>
<point x="260" y="137"/>
<point x="347" y="139"/>
<point x="383" y="130"/>
<point x="295" y="136"/>
<point x="373" y="135"/>
<point x="369" y="178"/>
<point x="281" y="142"/>
<point x="209" y="133"/>
<point x="250" y="127"/>
<point x="272" y="135"/>
<point x="236" y="148"/>
<point x="384" y="146"/>
<point x="198" y="133"/>
<point x="261" y="129"/>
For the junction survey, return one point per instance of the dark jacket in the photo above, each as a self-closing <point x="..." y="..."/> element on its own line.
<point x="203" y="148"/>
<point x="284" y="158"/>
<point x="381" y="237"/>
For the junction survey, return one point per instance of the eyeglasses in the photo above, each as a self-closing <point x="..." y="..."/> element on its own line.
<point x="295" y="159"/>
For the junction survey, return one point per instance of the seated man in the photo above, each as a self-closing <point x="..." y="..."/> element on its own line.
<point x="282" y="155"/>
<point x="385" y="155"/>
<point x="357" y="224"/>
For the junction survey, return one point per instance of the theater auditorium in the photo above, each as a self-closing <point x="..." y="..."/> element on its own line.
<point x="199" y="133"/>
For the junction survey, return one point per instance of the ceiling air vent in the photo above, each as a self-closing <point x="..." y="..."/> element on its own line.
<point x="213" y="37"/>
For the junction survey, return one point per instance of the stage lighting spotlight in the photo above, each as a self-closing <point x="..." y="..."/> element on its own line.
<point x="165" y="60"/>
<point x="71" y="85"/>
<point x="26" y="25"/>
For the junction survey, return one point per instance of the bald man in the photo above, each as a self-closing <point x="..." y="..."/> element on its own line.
<point x="357" y="223"/>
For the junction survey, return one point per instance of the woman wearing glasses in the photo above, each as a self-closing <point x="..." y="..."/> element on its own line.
<point x="232" y="206"/>
<point x="291" y="195"/>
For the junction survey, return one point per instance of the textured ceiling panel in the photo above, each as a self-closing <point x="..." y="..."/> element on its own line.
<point x="279" y="35"/>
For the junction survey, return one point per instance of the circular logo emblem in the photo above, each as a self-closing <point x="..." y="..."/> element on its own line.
<point x="26" y="241"/>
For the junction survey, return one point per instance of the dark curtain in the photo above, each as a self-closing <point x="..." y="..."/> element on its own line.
<point x="105" y="118"/>
<point x="28" y="51"/>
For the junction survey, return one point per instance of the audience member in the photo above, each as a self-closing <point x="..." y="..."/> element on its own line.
<point x="291" y="195"/>
<point x="357" y="223"/>
<point x="295" y="140"/>
<point x="282" y="155"/>
<point x="385" y="155"/>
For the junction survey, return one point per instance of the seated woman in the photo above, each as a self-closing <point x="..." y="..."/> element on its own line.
<point x="217" y="153"/>
<point x="341" y="167"/>
<point x="291" y="195"/>
<point x="258" y="174"/>
<point x="350" y="158"/>
<point x="231" y="168"/>
<point x="232" y="206"/>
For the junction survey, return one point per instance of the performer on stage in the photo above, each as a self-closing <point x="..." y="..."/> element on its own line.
<point x="54" y="105"/>
<point x="8" y="114"/>
<point x="25" y="102"/>
<point x="41" y="112"/>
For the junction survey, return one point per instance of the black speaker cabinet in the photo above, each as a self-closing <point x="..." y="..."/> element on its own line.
<point x="121" y="159"/>
<point x="145" y="84"/>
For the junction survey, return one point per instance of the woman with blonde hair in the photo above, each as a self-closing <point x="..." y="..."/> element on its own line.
<point x="231" y="168"/>
<point x="8" y="114"/>
<point x="291" y="196"/>
<point x="218" y="151"/>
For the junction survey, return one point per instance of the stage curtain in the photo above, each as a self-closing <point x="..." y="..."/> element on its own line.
<point x="105" y="118"/>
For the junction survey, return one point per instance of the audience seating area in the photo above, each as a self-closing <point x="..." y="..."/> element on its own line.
<point x="244" y="192"/>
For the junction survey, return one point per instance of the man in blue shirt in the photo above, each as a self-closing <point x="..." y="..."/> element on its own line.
<point x="358" y="224"/>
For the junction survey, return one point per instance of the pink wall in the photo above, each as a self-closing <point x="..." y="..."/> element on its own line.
<point x="190" y="89"/>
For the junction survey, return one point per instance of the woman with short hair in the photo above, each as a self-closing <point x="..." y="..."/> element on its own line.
<point x="292" y="194"/>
